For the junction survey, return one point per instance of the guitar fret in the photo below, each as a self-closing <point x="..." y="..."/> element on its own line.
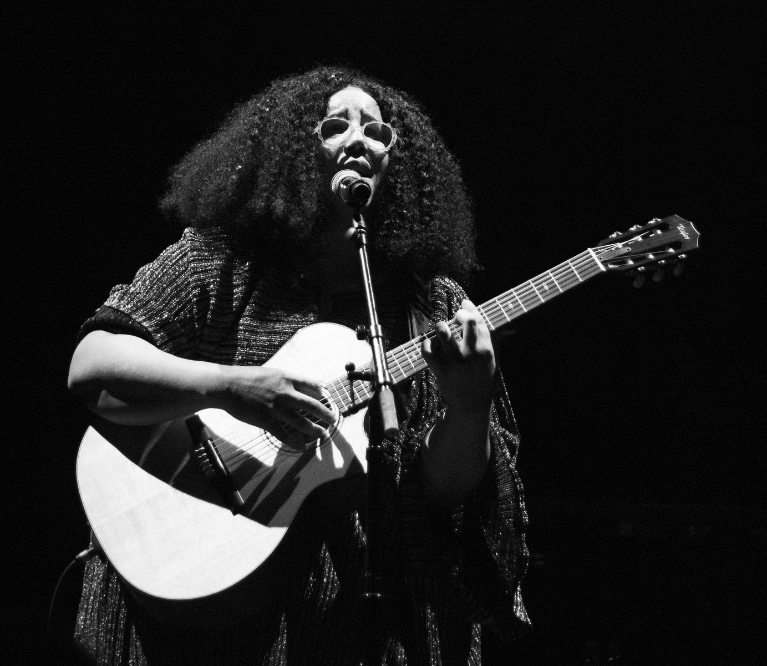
<point x="490" y="325"/>
<point x="564" y="272"/>
<point x="536" y="292"/>
<point x="358" y="394"/>
<point x="555" y="282"/>
<point x="337" y="398"/>
<point x="530" y="296"/>
<point x="346" y="398"/>
<point x="503" y="310"/>
<point x="393" y="357"/>
<point x="574" y="271"/>
<point x="544" y="287"/>
<point x="520" y="302"/>
<point x="415" y="354"/>
<point x="399" y="355"/>
<point x="507" y="306"/>
<point x="343" y="392"/>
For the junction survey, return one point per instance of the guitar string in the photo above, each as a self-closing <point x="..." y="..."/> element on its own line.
<point x="494" y="313"/>
<point x="532" y="296"/>
<point x="527" y="292"/>
<point x="491" y="309"/>
<point x="529" y="295"/>
<point x="252" y="446"/>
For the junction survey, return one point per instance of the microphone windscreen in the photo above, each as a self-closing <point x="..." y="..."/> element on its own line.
<point x="340" y="177"/>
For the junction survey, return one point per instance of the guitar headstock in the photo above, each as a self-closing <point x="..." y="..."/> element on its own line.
<point x="657" y="244"/>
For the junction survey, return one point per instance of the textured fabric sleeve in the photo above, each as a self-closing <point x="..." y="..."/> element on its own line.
<point x="158" y="305"/>
<point x="490" y="526"/>
<point x="492" y="555"/>
<point x="479" y="550"/>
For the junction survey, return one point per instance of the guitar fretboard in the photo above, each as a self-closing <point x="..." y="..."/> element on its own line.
<point x="406" y="360"/>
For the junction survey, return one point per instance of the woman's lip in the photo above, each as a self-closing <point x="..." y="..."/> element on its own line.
<point x="361" y="169"/>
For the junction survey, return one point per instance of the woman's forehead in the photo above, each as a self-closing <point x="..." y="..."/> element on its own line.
<point x="353" y="98"/>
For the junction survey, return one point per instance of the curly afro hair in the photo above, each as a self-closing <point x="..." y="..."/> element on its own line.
<point x="259" y="174"/>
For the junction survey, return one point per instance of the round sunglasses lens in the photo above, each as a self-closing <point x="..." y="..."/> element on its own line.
<point x="378" y="134"/>
<point x="333" y="129"/>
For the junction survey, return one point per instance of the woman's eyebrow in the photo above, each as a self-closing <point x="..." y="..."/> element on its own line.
<point x="344" y="110"/>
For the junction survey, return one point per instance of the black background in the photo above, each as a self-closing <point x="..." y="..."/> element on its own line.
<point x="640" y="409"/>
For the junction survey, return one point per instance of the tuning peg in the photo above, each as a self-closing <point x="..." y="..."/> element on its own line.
<point x="679" y="268"/>
<point x="638" y="281"/>
<point x="636" y="227"/>
<point x="657" y="276"/>
<point x="614" y="234"/>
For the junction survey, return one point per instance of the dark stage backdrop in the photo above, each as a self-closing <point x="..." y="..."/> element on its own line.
<point x="640" y="409"/>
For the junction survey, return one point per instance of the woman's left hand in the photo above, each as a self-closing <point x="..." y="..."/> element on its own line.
<point x="464" y="362"/>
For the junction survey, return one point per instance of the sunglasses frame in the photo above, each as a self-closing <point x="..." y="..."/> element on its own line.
<point x="362" y="129"/>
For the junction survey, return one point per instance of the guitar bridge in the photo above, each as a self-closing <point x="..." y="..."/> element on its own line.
<point x="209" y="459"/>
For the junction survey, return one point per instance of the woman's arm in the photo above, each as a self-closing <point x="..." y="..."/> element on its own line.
<point x="457" y="450"/>
<point x="127" y="380"/>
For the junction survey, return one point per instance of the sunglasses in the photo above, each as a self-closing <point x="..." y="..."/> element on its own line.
<point x="379" y="136"/>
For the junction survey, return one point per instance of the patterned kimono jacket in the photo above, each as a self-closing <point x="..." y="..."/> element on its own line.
<point x="447" y="573"/>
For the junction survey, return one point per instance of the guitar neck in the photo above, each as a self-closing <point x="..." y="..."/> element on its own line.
<point x="406" y="360"/>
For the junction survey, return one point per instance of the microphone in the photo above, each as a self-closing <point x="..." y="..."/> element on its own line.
<point x="351" y="188"/>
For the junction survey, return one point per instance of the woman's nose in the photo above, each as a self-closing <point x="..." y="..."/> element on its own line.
<point x="355" y="142"/>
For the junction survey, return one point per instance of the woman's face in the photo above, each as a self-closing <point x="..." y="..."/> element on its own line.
<point x="353" y="153"/>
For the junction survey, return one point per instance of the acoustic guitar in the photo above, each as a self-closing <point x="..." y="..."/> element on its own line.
<point x="194" y="514"/>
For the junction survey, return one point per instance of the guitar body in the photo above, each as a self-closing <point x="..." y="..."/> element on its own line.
<point x="172" y="537"/>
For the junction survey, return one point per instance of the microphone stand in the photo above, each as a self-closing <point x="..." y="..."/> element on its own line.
<point x="383" y="423"/>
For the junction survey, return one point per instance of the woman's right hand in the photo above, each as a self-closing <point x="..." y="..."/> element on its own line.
<point x="286" y="404"/>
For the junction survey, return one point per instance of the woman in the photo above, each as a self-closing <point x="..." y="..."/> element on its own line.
<point x="265" y="253"/>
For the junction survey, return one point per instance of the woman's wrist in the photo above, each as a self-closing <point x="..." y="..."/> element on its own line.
<point x="219" y="385"/>
<point x="455" y="455"/>
<point x="470" y="419"/>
